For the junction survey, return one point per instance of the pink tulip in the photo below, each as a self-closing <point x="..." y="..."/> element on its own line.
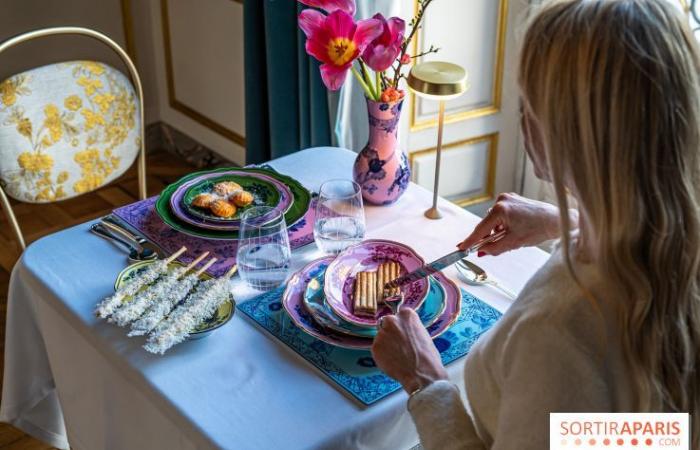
<point x="381" y="53"/>
<point x="332" y="5"/>
<point x="337" y="41"/>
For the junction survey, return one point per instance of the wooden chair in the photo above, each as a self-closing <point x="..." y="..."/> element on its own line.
<point x="68" y="128"/>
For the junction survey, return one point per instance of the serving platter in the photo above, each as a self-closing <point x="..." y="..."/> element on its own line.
<point x="223" y="314"/>
<point x="299" y="207"/>
<point x="293" y="303"/>
<point x="367" y="256"/>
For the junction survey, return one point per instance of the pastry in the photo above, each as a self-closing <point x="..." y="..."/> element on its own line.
<point x="365" y="298"/>
<point x="387" y="271"/>
<point x="222" y="208"/>
<point x="241" y="198"/>
<point x="203" y="200"/>
<point x="226" y="188"/>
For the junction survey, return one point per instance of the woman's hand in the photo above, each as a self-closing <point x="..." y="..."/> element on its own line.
<point x="404" y="351"/>
<point x="527" y="222"/>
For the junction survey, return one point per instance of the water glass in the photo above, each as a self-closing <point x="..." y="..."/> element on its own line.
<point x="263" y="251"/>
<point x="340" y="216"/>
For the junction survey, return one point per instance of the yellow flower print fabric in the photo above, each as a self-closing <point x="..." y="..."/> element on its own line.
<point x="66" y="129"/>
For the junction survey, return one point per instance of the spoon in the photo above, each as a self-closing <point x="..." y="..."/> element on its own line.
<point x="136" y="253"/>
<point x="476" y="276"/>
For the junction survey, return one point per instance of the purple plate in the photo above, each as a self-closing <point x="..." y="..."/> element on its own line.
<point x="293" y="302"/>
<point x="367" y="255"/>
<point x="285" y="202"/>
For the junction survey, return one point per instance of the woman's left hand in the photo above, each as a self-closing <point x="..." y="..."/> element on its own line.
<point x="404" y="351"/>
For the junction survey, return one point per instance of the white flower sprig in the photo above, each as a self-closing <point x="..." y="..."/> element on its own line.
<point x="110" y="304"/>
<point x="198" y="306"/>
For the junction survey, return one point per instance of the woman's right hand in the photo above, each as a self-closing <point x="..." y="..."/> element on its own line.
<point x="527" y="222"/>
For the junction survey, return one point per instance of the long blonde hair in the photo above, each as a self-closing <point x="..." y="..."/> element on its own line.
<point x="613" y="87"/>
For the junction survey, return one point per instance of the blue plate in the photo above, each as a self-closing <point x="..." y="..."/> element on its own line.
<point x="315" y="304"/>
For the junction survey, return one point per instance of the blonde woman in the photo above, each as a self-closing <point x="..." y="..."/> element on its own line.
<point x="611" y="97"/>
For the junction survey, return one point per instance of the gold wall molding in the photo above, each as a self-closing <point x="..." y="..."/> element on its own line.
<point x="176" y="104"/>
<point x="497" y="86"/>
<point x="489" y="189"/>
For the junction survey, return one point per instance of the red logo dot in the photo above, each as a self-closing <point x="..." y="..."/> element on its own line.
<point x="620" y="442"/>
<point x="606" y="441"/>
<point x="591" y="442"/>
<point x="577" y="442"/>
<point x="635" y="442"/>
<point x="649" y="442"/>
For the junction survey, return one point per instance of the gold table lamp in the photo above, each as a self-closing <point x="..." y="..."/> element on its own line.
<point x="440" y="81"/>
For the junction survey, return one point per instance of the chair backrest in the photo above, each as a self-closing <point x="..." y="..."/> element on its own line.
<point x="66" y="129"/>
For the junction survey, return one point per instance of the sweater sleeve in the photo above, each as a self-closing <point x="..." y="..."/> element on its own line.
<point x="543" y="369"/>
<point x="441" y="419"/>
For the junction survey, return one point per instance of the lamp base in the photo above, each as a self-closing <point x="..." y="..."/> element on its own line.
<point x="433" y="213"/>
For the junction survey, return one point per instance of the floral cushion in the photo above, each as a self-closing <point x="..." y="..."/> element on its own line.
<point x="66" y="129"/>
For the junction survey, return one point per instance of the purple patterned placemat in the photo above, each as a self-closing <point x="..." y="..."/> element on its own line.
<point x="142" y="216"/>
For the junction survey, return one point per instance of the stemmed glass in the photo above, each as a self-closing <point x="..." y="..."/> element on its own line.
<point x="340" y="216"/>
<point x="263" y="252"/>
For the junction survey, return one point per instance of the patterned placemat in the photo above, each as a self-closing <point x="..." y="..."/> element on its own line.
<point x="142" y="216"/>
<point x="355" y="370"/>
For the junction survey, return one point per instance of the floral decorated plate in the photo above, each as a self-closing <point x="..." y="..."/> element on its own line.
<point x="293" y="302"/>
<point x="266" y="191"/>
<point x="315" y="304"/>
<point x="366" y="256"/>
<point x="222" y="315"/>
<point x="300" y="204"/>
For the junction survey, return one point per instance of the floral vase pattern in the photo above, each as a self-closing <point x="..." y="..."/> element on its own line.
<point x="381" y="168"/>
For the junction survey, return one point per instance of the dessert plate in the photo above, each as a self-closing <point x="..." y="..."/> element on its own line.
<point x="266" y="192"/>
<point x="365" y="256"/>
<point x="315" y="304"/>
<point x="222" y="315"/>
<point x="299" y="207"/>
<point x="293" y="303"/>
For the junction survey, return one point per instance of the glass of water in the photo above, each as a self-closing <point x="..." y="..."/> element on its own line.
<point x="340" y="216"/>
<point x="263" y="249"/>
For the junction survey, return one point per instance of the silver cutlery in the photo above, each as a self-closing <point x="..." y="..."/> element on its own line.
<point x="136" y="252"/>
<point x="476" y="276"/>
<point x="117" y="226"/>
<point x="441" y="263"/>
<point x="394" y="303"/>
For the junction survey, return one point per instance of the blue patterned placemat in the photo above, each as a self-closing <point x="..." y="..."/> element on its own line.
<point x="355" y="370"/>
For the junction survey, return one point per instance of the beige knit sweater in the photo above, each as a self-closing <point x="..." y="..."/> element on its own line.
<point x="551" y="352"/>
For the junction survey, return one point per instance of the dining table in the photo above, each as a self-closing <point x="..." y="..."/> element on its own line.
<point x="71" y="379"/>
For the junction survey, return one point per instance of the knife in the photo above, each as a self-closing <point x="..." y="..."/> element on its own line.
<point x="441" y="263"/>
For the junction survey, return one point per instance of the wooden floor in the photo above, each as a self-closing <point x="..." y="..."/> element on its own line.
<point x="39" y="220"/>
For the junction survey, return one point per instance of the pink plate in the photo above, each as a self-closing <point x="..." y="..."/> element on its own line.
<point x="293" y="302"/>
<point x="367" y="255"/>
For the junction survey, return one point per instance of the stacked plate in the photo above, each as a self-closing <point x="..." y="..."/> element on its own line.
<point x="318" y="298"/>
<point x="269" y="188"/>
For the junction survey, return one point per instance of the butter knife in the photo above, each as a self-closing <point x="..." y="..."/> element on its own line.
<point x="441" y="263"/>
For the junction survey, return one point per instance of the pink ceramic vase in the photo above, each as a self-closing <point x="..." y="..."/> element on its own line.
<point x="381" y="168"/>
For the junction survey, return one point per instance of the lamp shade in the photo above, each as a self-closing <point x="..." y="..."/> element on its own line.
<point x="438" y="80"/>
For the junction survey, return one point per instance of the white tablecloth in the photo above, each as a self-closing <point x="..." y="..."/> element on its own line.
<point x="72" y="378"/>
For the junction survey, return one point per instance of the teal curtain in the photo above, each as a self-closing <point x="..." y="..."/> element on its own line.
<point x="286" y="101"/>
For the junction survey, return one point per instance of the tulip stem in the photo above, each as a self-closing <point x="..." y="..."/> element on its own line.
<point x="367" y="89"/>
<point x="378" y="79"/>
<point x="368" y="80"/>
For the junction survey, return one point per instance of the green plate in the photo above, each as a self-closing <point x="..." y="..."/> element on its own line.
<point x="264" y="194"/>
<point x="302" y="199"/>
<point x="223" y="313"/>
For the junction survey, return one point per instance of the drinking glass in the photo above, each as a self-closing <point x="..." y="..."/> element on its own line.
<point x="340" y="216"/>
<point x="263" y="251"/>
